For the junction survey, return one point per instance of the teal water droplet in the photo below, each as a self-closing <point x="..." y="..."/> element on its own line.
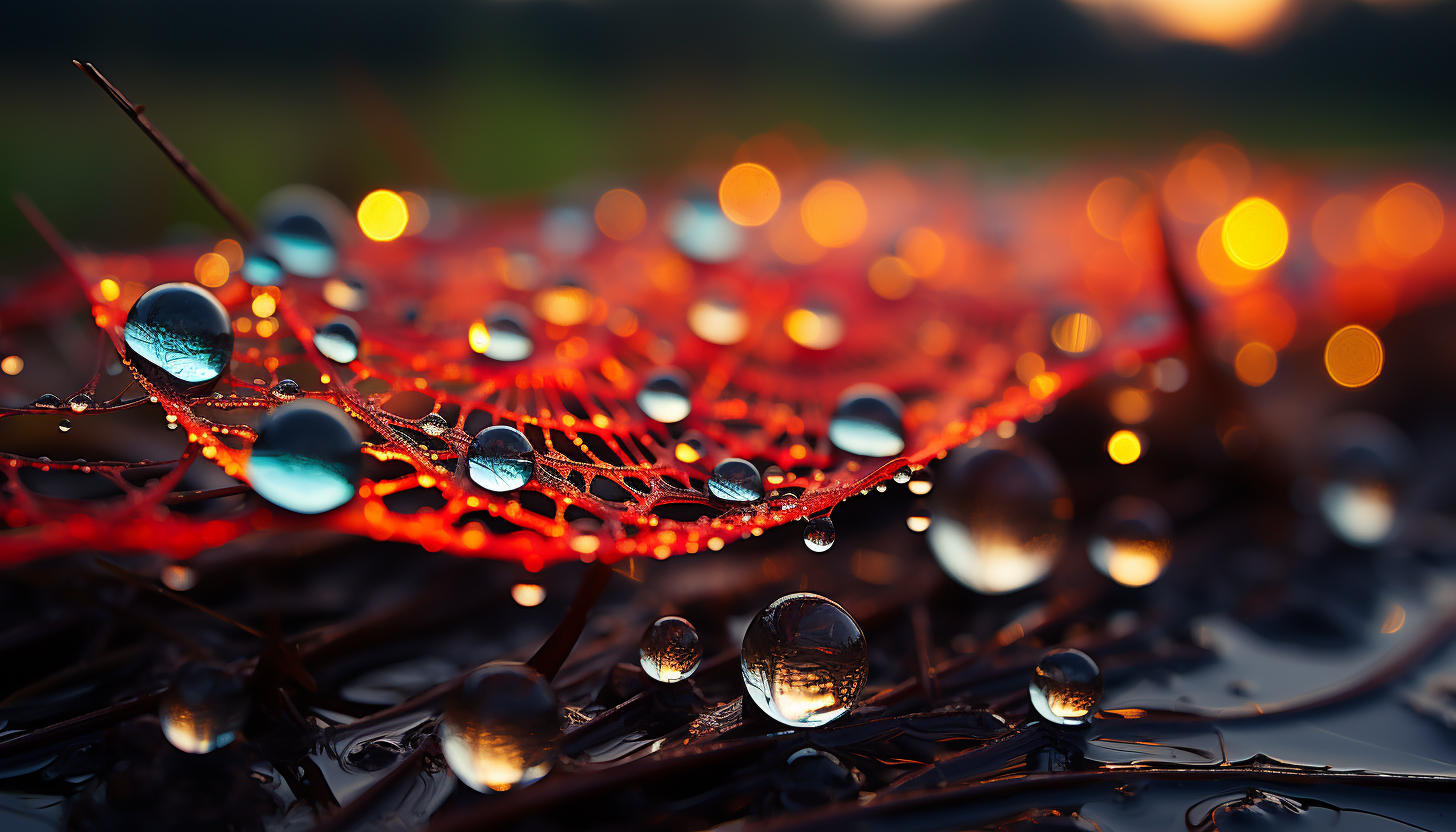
<point x="1366" y="459"/>
<point x="819" y="534"/>
<point x="867" y="421"/>
<point x="204" y="708"/>
<point x="301" y="245"/>
<point x="1066" y="687"/>
<point x="501" y="728"/>
<point x="510" y="336"/>
<point x="501" y="459"/>
<point x="670" y="650"/>
<point x="339" y="340"/>
<point x="804" y="660"/>
<point x="306" y="457"/>
<point x="260" y="269"/>
<point x="736" y="481"/>
<point x="180" y="330"/>
<point x="701" y="232"/>
<point x="664" y="396"/>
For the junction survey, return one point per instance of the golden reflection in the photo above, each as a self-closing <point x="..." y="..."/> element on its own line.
<point x="749" y="194"/>
<point x="922" y="250"/>
<point x="718" y="322"/>
<point x="1354" y="356"/>
<point x="528" y="595"/>
<point x="264" y="305"/>
<point x="1077" y="333"/>
<point x="11" y="365"/>
<point x="1215" y="263"/>
<point x="479" y="337"/>
<point x="109" y="289"/>
<point x="1255" y="234"/>
<point x="1228" y="23"/>
<point x="1130" y="406"/>
<point x="1394" y="620"/>
<point x="1124" y="447"/>
<point x="211" y="270"/>
<point x="563" y="305"/>
<point x="834" y="214"/>
<point x="232" y="252"/>
<point x="816" y="329"/>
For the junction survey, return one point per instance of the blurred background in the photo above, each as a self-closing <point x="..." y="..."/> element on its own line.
<point x="518" y="96"/>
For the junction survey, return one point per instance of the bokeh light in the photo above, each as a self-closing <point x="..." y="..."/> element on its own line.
<point x="923" y="251"/>
<point x="1408" y="220"/>
<point x="1255" y="234"/>
<point x="383" y="215"/>
<point x="1214" y="261"/>
<point x="621" y="214"/>
<point x="834" y="214"/>
<point x="211" y="270"/>
<point x="749" y="194"/>
<point x="1354" y="356"/>
<point x="817" y="329"/>
<point x="1255" y="364"/>
<point x="890" y="278"/>
<point x="1077" y="333"/>
<point x="1124" y="447"/>
<point x="1109" y="205"/>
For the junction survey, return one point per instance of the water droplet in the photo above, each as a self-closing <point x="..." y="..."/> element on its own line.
<point x="65" y="425"/>
<point x="301" y="227"/>
<point x="179" y="577"/>
<point x="80" y="402"/>
<point x="338" y="340"/>
<point x="306" y="458"/>
<point x="509" y="333"/>
<point x="1066" y="687"/>
<point x="1133" y="541"/>
<point x="205" y="707"/>
<point x="181" y="330"/>
<point x="881" y="487"/>
<point x="670" y="650"/>
<point x="736" y="480"/>
<point x="433" y="424"/>
<point x="867" y="422"/>
<point x="260" y="269"/>
<point x="804" y="660"/>
<point x="1366" y="458"/>
<point x="702" y="233"/>
<point x="286" y="389"/>
<point x="501" y="728"/>
<point x="902" y="474"/>
<point x="918" y="518"/>
<point x="819" y="534"/>
<point x="501" y="459"/>
<point x="921" y="482"/>
<point x="1261" y="810"/>
<point x="718" y="321"/>
<point x="1001" y="517"/>
<point x="48" y="400"/>
<point x="664" y="396"/>
<point x="345" y="293"/>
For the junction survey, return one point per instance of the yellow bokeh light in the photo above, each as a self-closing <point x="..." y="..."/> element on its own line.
<point x="1029" y="366"/>
<point x="1043" y="385"/>
<point x="834" y="214"/>
<point x="479" y="337"/>
<point x="1354" y="356"/>
<point x="1408" y="220"/>
<point x="685" y="452"/>
<point x="231" y="251"/>
<point x="1202" y="187"/>
<point x="1229" y="23"/>
<point x="563" y="305"/>
<point x="383" y="215"/>
<point x="11" y="365"/>
<point x="110" y="290"/>
<point x="528" y="595"/>
<point x="1255" y="234"/>
<point x="1130" y="406"/>
<point x="621" y="214"/>
<point x="1077" y="333"/>
<point x="922" y="250"/>
<point x="1215" y="264"/>
<point x="815" y="329"/>
<point x="1124" y="447"/>
<point x="891" y="278"/>
<point x="718" y="322"/>
<point x="1256" y="363"/>
<point x="749" y="194"/>
<point x="264" y="305"/>
<point x="211" y="270"/>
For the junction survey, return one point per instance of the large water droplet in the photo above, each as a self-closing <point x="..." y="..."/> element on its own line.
<point x="819" y="534"/>
<point x="205" y="707"/>
<point x="339" y="340"/>
<point x="260" y="269"/>
<point x="1066" y="687"/>
<point x="670" y="650"/>
<point x="736" y="480"/>
<point x="664" y="396"/>
<point x="180" y="330"/>
<point x="510" y="337"/>
<point x="48" y="400"/>
<point x="301" y="227"/>
<point x="285" y="390"/>
<point x="1000" y="517"/>
<point x="1132" y="544"/>
<point x="1366" y="457"/>
<point x="921" y="482"/>
<point x="433" y="424"/>
<point x="501" y="459"/>
<point x="80" y="402"/>
<point x="867" y="422"/>
<point x="501" y="728"/>
<point x="306" y="458"/>
<point x="804" y="660"/>
<point x="810" y="778"/>
<point x="1261" y="811"/>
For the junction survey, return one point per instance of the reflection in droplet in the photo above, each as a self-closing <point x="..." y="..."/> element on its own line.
<point x="501" y="459"/>
<point x="917" y="519"/>
<point x="306" y="457"/>
<point x="814" y="327"/>
<point x="181" y="330"/>
<point x="204" y="709"/>
<point x="1066" y="687"/>
<point x="506" y="334"/>
<point x="178" y="577"/>
<point x="819" y="534"/>
<point x="804" y="660"/>
<point x="670" y="650"/>
<point x="1366" y="458"/>
<point x="664" y="396"/>
<point x="867" y="421"/>
<point x="80" y="402"/>
<point x="433" y="424"/>
<point x="338" y="340"/>
<point x="718" y="321"/>
<point x="286" y="390"/>
<point x="736" y="480"/>
<point x="301" y="227"/>
<point x="345" y="293"/>
<point x="902" y="474"/>
<point x="1000" y="517"/>
<point x="64" y="426"/>
<point x="500" y="728"/>
<point x="1133" y="543"/>
<point x="921" y="482"/>
<point x="261" y="270"/>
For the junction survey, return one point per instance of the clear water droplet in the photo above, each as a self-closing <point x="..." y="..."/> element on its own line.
<point x="917" y="519"/>
<point x="260" y="269"/>
<point x="819" y="534"/>
<point x="670" y="650"/>
<point x="286" y="389"/>
<point x="736" y="481"/>
<point x="811" y="778"/>
<point x="664" y="396"/>
<point x="1066" y="687"/>
<point x="433" y="424"/>
<point x="921" y="482"/>
<point x="48" y="400"/>
<point x="1133" y="541"/>
<point x="501" y="728"/>
<point x="339" y="340"/>
<point x="804" y="660"/>
<point x="1366" y="459"/>
<point x="718" y="321"/>
<point x="205" y="707"/>
<point x="306" y="458"/>
<point x="180" y="330"/>
<point x="1000" y="517"/>
<point x="867" y="421"/>
<point x="346" y="293"/>
<point x="902" y="474"/>
<point x="510" y="334"/>
<point x="881" y="487"/>
<point x="80" y="402"/>
<point x="64" y="426"/>
<point x="301" y="227"/>
<point x="501" y="459"/>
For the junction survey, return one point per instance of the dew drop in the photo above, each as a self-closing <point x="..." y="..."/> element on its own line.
<point x="736" y="481"/>
<point x="180" y="330"/>
<point x="804" y="660"/>
<point x="205" y="707"/>
<point x="1366" y="457"/>
<point x="300" y="227"/>
<point x="433" y="424"/>
<point x="700" y="231"/>
<point x="48" y="400"/>
<point x="64" y="426"/>
<point x="918" y="518"/>
<point x="509" y="334"/>
<point x="811" y="778"/>
<point x="80" y="402"/>
<point x="867" y="422"/>
<point x="718" y="321"/>
<point x="260" y="269"/>
<point x="902" y="474"/>
<point x="1001" y="517"/>
<point x="921" y="482"/>
<point x="664" y="396"/>
<point x="670" y="650"/>
<point x="501" y="728"/>
<point x="1066" y="686"/>
<point x="306" y="458"/>
<point x="1133" y="541"/>
<point x="819" y="534"/>
<point x="345" y="293"/>
<point x="286" y="389"/>
<point x="501" y="459"/>
<point x="338" y="340"/>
